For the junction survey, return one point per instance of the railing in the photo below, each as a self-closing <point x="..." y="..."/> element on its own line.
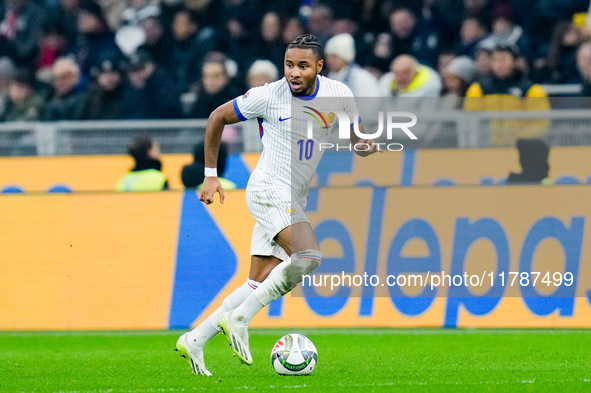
<point x="439" y="129"/>
<point x="97" y="137"/>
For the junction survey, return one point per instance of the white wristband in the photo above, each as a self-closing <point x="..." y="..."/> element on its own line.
<point x="211" y="172"/>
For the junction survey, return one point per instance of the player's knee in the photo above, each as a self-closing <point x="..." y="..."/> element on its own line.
<point x="305" y="262"/>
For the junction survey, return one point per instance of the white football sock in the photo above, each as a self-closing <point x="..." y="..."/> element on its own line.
<point x="282" y="279"/>
<point x="199" y="336"/>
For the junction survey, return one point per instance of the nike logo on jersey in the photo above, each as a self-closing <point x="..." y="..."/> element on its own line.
<point x="281" y="119"/>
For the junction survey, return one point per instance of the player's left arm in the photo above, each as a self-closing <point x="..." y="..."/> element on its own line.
<point x="365" y="147"/>
<point x="219" y="118"/>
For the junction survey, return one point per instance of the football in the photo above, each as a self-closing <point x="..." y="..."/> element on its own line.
<point x="294" y="354"/>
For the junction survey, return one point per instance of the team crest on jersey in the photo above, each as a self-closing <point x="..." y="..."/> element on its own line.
<point x="289" y="210"/>
<point x="324" y="121"/>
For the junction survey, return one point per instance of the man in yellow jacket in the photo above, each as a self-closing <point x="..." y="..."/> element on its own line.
<point x="507" y="89"/>
<point x="146" y="175"/>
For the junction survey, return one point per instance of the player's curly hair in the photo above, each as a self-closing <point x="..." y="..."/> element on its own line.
<point x="307" y="41"/>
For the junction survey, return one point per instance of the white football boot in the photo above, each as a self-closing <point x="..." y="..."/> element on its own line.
<point x="236" y="331"/>
<point x="192" y="354"/>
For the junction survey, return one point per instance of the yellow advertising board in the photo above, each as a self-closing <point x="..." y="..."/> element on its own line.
<point x="164" y="260"/>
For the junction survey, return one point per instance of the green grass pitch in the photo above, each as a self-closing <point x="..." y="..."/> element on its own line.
<point x="351" y="360"/>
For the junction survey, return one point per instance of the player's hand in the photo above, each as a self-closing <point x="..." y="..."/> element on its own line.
<point x="210" y="186"/>
<point x="361" y="147"/>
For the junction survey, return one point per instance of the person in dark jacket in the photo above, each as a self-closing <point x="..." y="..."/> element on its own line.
<point x="146" y="175"/>
<point x="23" y="103"/>
<point x="560" y="64"/>
<point x="190" y="44"/>
<point x="217" y="87"/>
<point x="68" y="91"/>
<point x="409" y="34"/>
<point x="157" y="43"/>
<point x="533" y="157"/>
<point x="20" y="27"/>
<point x="95" y="36"/>
<point x="151" y="93"/>
<point x="104" y="100"/>
<point x="271" y="45"/>
<point x="508" y="89"/>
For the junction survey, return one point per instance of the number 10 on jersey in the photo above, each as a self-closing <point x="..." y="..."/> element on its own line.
<point x="306" y="146"/>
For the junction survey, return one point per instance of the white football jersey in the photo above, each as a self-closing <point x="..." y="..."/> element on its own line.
<point x="289" y="158"/>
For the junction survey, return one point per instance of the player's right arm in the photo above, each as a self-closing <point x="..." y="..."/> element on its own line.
<point x="250" y="105"/>
<point x="219" y="118"/>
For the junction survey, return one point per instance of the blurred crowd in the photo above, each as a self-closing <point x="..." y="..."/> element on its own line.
<point x="148" y="59"/>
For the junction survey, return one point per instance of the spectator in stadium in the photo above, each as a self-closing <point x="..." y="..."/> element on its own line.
<point x="514" y="91"/>
<point x="139" y="10"/>
<point x="583" y="21"/>
<point x="293" y="28"/>
<point x="409" y="78"/>
<point x="472" y="32"/>
<point x="65" y="15"/>
<point x="445" y="57"/>
<point x="543" y="15"/>
<point x="271" y="46"/>
<point x="150" y="93"/>
<point x="259" y="73"/>
<point x="113" y="11"/>
<point x="481" y="9"/>
<point x="19" y="30"/>
<point x="94" y="38"/>
<point x="364" y="41"/>
<point x="483" y="60"/>
<point x="209" y="11"/>
<point x="446" y="16"/>
<point x="413" y="35"/>
<point x="23" y="103"/>
<point x="217" y="86"/>
<point x="130" y="34"/>
<point x="104" y="100"/>
<point x="7" y="71"/>
<point x="458" y="76"/>
<point x="340" y="60"/>
<point x="190" y="44"/>
<point x="506" y="32"/>
<point x="192" y="175"/>
<point x="584" y="67"/>
<point x="533" y="158"/>
<point x="146" y="175"/>
<point x="157" y="43"/>
<point x="560" y="64"/>
<point x="68" y="91"/>
<point x="320" y="22"/>
<point x="242" y="20"/>
<point x="53" y="44"/>
<point x="579" y="21"/>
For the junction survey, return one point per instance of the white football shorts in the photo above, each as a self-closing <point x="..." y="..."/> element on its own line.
<point x="274" y="210"/>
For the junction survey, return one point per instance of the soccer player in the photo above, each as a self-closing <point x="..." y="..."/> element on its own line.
<point x="283" y="246"/>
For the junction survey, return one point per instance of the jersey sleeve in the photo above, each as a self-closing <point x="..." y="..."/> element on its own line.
<point x="252" y="104"/>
